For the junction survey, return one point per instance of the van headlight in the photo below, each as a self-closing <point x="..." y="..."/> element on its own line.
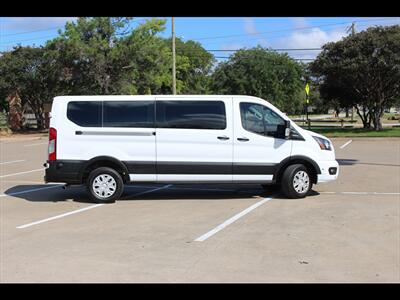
<point x="323" y="143"/>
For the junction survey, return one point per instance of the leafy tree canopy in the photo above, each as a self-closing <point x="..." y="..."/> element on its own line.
<point x="362" y="70"/>
<point x="262" y="73"/>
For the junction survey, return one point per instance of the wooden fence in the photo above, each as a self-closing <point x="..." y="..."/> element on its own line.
<point x="325" y="123"/>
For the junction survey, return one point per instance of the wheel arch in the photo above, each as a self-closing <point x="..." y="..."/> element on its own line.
<point x="104" y="161"/>
<point x="309" y="163"/>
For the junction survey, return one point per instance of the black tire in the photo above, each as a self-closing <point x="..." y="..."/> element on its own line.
<point x="119" y="185"/>
<point x="287" y="184"/>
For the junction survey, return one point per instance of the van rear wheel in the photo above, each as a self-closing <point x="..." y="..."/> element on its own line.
<point x="104" y="185"/>
<point x="296" y="181"/>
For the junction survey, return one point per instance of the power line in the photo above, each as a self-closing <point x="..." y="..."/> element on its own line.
<point x="249" y="38"/>
<point x="52" y="28"/>
<point x="274" y="49"/>
<point x="283" y="30"/>
<point x="248" y="35"/>
<point x="235" y="50"/>
<point x="314" y="49"/>
<point x="265" y="32"/>
<point x="259" y="33"/>
<point x="17" y="33"/>
<point x="305" y="59"/>
<point x="33" y="39"/>
<point x="37" y="38"/>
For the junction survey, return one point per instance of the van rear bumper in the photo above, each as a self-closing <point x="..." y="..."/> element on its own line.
<point x="66" y="171"/>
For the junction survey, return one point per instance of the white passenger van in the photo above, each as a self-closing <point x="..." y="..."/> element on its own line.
<point x="105" y="142"/>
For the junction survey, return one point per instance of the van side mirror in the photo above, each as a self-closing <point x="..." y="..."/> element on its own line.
<point x="287" y="129"/>
<point x="283" y="131"/>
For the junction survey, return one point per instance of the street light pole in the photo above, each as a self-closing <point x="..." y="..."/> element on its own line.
<point x="173" y="58"/>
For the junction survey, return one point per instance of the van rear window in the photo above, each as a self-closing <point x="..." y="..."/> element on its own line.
<point x="191" y="114"/>
<point x="85" y="113"/>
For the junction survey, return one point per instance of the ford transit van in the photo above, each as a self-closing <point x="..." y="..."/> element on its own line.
<point x="105" y="142"/>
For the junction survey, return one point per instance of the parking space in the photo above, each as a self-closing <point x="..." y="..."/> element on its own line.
<point x="345" y="231"/>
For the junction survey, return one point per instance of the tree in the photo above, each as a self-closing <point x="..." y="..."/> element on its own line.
<point x="362" y="70"/>
<point x="103" y="56"/>
<point x="195" y="77"/>
<point x="89" y="53"/>
<point x="316" y="101"/>
<point x="31" y="74"/>
<point x="263" y="73"/>
<point x="149" y="60"/>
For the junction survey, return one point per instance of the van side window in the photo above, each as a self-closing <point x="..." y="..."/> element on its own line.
<point x="128" y="114"/>
<point x="260" y="119"/>
<point x="85" y="113"/>
<point x="191" y="114"/>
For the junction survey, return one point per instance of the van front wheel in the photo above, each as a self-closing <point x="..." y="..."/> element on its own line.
<point x="296" y="181"/>
<point x="104" y="185"/>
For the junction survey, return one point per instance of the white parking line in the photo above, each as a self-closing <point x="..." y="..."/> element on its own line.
<point x="81" y="210"/>
<point x="11" y="162"/>
<point x="60" y="216"/>
<point x="24" y="181"/>
<point x="362" y="193"/>
<point x="344" y="145"/>
<point x="355" y="193"/>
<point x="22" y="140"/>
<point x="8" y="175"/>
<point x="31" y="190"/>
<point x="16" y="142"/>
<point x="35" y="144"/>
<point x="231" y="220"/>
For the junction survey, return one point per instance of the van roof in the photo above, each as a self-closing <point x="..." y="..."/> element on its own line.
<point x="144" y="97"/>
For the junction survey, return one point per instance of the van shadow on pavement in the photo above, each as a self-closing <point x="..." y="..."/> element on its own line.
<point x="350" y="162"/>
<point x="346" y="162"/>
<point x="132" y="193"/>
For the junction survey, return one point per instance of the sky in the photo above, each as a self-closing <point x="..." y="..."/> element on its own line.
<point x="215" y="33"/>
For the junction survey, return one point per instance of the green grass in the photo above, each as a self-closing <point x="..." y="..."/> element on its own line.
<point x="357" y="132"/>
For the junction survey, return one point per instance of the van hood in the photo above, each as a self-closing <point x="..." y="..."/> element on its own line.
<point x="317" y="134"/>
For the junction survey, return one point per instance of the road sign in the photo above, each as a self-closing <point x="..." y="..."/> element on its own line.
<point x="307" y="89"/>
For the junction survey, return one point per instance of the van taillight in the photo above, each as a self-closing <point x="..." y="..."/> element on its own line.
<point x="52" y="144"/>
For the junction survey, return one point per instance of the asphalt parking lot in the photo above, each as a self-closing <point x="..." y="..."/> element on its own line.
<point x="346" y="231"/>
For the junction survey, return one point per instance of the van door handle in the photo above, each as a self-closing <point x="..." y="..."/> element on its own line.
<point x="243" y="139"/>
<point x="224" y="137"/>
<point x="78" y="132"/>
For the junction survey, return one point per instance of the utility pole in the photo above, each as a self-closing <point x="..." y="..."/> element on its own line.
<point x="352" y="28"/>
<point x="173" y="58"/>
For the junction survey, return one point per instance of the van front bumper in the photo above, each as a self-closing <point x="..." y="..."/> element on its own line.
<point x="329" y="170"/>
<point x="66" y="171"/>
